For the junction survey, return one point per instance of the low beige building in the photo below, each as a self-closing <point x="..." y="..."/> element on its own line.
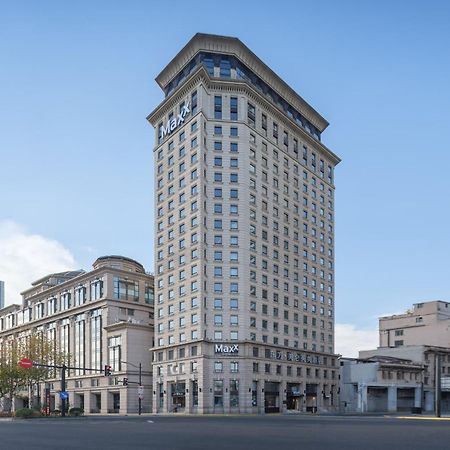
<point x="424" y="355"/>
<point x="102" y="317"/>
<point x="425" y="324"/>
<point x="420" y="335"/>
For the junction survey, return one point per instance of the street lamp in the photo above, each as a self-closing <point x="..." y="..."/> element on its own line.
<point x="140" y="382"/>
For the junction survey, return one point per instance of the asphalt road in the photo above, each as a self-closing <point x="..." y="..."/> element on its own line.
<point x="231" y="432"/>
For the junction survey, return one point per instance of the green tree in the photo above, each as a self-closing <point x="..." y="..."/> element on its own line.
<point x="13" y="378"/>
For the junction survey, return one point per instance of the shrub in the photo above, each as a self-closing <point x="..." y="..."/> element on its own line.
<point x="24" y="413"/>
<point x="76" y="412"/>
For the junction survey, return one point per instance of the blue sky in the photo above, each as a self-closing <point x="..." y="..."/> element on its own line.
<point x="77" y="81"/>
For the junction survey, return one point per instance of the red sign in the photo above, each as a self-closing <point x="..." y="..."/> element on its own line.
<point x="26" y="363"/>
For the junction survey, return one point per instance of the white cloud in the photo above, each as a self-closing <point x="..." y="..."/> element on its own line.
<point x="350" y="340"/>
<point x="25" y="257"/>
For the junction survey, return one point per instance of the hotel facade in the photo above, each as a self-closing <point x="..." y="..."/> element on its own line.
<point x="244" y="245"/>
<point x="96" y="318"/>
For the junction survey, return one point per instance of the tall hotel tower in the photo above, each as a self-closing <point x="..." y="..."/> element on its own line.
<point x="244" y="307"/>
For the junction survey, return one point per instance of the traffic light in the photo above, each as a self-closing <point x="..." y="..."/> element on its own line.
<point x="108" y="371"/>
<point x="125" y="381"/>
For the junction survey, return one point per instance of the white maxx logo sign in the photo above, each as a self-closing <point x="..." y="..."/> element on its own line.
<point x="175" y="122"/>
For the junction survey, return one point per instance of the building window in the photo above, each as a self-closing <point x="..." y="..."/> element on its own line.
<point x="251" y="114"/>
<point x="225" y="68"/>
<point x="79" y="344"/>
<point x="96" y="289"/>
<point x="218" y="393"/>
<point x="234" y="393"/>
<point x="80" y="296"/>
<point x="64" y="342"/>
<point x="217" y="107"/>
<point x="233" y="108"/>
<point x="194" y="103"/>
<point x="52" y="305"/>
<point x="65" y="301"/>
<point x="114" y="347"/>
<point x="96" y="339"/>
<point x="125" y="289"/>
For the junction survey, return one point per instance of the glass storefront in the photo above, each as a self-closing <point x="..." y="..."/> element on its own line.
<point x="293" y="396"/>
<point x="178" y="394"/>
<point x="311" y="397"/>
<point x="271" y="397"/>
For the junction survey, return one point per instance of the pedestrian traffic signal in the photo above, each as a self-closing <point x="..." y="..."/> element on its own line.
<point x="108" y="371"/>
<point x="125" y="381"/>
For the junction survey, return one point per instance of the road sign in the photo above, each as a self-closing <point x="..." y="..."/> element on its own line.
<point x="26" y="363"/>
<point x="141" y="392"/>
<point x="63" y="395"/>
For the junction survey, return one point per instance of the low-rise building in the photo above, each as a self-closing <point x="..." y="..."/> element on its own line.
<point x="380" y="384"/>
<point x="2" y="294"/>
<point x="426" y="323"/>
<point x="424" y="355"/>
<point x="97" y="318"/>
<point x="418" y="338"/>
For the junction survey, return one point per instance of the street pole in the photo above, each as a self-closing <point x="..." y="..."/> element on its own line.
<point x="63" y="389"/>
<point x="140" y="384"/>
<point x="437" y="384"/>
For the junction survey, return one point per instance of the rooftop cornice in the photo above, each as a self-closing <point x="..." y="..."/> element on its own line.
<point x="201" y="76"/>
<point x="233" y="46"/>
<point x="86" y="276"/>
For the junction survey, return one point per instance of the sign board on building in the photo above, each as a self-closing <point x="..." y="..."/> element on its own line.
<point x="175" y="122"/>
<point x="227" y="349"/>
<point x="293" y="356"/>
<point x="445" y="383"/>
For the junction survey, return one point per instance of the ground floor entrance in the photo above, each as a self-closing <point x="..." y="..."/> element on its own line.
<point x="294" y="397"/>
<point x="271" y="397"/>
<point x="311" y="398"/>
<point x="178" y="396"/>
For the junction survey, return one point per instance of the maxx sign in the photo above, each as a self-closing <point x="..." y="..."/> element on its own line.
<point x="175" y="122"/>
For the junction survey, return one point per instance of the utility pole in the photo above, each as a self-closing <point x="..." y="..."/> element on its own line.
<point x="140" y="384"/>
<point x="63" y="389"/>
<point x="437" y="384"/>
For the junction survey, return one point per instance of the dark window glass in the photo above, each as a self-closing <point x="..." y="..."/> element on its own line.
<point x="218" y="107"/>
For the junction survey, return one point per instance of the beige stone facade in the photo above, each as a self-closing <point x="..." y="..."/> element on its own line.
<point x="102" y="317"/>
<point x="426" y="323"/>
<point x="244" y="283"/>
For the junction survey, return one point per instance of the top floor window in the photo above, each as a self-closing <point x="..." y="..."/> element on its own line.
<point x="80" y="295"/>
<point x="225" y="68"/>
<point x="149" y="294"/>
<point x="52" y="305"/>
<point x="194" y="105"/>
<point x="209" y="65"/>
<point x="96" y="289"/>
<point x="251" y="114"/>
<point x="125" y="289"/>
<point x="65" y="300"/>
<point x="233" y="108"/>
